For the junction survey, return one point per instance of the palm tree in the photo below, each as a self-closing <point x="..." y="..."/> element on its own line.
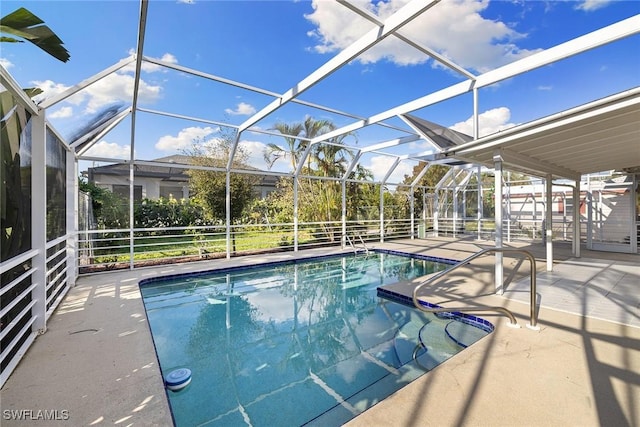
<point x="313" y="128"/>
<point x="273" y="152"/>
<point x="332" y="158"/>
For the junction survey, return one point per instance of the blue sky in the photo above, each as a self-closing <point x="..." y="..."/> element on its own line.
<point x="275" y="44"/>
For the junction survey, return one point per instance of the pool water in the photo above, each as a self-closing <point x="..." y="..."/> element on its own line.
<point x="288" y="344"/>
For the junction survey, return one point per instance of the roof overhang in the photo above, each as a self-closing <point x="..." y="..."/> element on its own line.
<point x="599" y="136"/>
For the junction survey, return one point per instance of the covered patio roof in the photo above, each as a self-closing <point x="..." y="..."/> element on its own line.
<point x="602" y="135"/>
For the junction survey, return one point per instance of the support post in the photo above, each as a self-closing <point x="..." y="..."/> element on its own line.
<point x="576" y="220"/>
<point x="499" y="267"/>
<point x="436" y="208"/>
<point x="343" y="242"/>
<point x="228" y="211"/>
<point x="589" y="202"/>
<point x="381" y="213"/>
<point x="508" y="206"/>
<point x="412" y="213"/>
<point x="295" y="213"/>
<point x="633" y="227"/>
<point x="479" y="214"/>
<point x="72" y="218"/>
<point x="132" y="242"/>
<point x="38" y="224"/>
<point x="454" y="194"/>
<point x="549" y="221"/>
<point x="424" y="210"/>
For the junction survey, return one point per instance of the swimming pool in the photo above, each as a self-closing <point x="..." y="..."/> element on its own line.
<point x="295" y="343"/>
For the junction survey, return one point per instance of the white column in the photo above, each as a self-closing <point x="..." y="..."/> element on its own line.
<point x="499" y="270"/>
<point x="412" y="207"/>
<point x="479" y="202"/>
<point x="131" y="212"/>
<point x="436" y="208"/>
<point x="381" y="213"/>
<point x="38" y="220"/>
<point x="633" y="215"/>
<point x="72" y="218"/>
<point x="344" y="214"/>
<point x="576" y="220"/>
<point x="549" y="221"/>
<point x="424" y="210"/>
<point x="507" y="206"/>
<point x="589" y="202"/>
<point x="228" y="212"/>
<point x="295" y="214"/>
<point x="454" y="193"/>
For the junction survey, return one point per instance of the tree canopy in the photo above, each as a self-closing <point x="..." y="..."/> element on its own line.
<point x="209" y="186"/>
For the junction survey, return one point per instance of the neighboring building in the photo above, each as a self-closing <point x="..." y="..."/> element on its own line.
<point x="153" y="182"/>
<point x="609" y="208"/>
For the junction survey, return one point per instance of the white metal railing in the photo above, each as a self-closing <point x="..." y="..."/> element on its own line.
<point x="30" y="296"/>
<point x="109" y="249"/>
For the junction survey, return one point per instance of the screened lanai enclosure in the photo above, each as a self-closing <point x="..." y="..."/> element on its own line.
<point x="152" y="175"/>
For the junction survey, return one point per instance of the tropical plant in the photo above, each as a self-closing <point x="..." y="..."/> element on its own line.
<point x="15" y="193"/>
<point x="209" y="187"/>
<point x="22" y="24"/>
<point x="319" y="200"/>
<point x="274" y="152"/>
<point x="295" y="145"/>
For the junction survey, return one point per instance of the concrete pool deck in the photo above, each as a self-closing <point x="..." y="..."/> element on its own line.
<point x="96" y="363"/>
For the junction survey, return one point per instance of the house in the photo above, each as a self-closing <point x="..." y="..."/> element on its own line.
<point x="156" y="181"/>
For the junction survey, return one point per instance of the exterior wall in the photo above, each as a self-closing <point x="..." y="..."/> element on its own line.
<point x="156" y="187"/>
<point x="611" y="217"/>
<point x="610" y="208"/>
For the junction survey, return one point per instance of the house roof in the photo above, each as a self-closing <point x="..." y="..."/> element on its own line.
<point x="155" y="169"/>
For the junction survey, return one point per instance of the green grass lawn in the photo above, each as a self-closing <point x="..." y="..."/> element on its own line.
<point x="156" y="247"/>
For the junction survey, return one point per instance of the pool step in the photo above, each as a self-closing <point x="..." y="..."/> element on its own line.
<point x="424" y="343"/>
<point x="406" y="344"/>
<point x="462" y="334"/>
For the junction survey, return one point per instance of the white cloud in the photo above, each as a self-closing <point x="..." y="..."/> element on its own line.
<point x="591" y="5"/>
<point x="119" y="87"/>
<point x="113" y="88"/>
<point x="110" y="150"/>
<point x="6" y="63"/>
<point x="543" y="87"/>
<point x="61" y="113"/>
<point x="380" y="166"/>
<point x="453" y="28"/>
<point x="242" y="109"/>
<point x="490" y="121"/>
<point x="184" y="139"/>
<point x="49" y="89"/>
<point x="147" y="66"/>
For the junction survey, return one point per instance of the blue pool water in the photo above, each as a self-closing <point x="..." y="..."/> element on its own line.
<point x="295" y="343"/>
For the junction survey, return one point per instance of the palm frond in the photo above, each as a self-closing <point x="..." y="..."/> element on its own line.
<point x="24" y="24"/>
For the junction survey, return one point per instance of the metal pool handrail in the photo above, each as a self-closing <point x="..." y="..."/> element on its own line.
<point x="533" y="322"/>
<point x="353" y="246"/>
